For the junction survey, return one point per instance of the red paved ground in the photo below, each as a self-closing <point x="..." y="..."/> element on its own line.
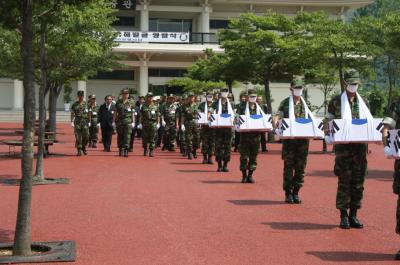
<point x="168" y="210"/>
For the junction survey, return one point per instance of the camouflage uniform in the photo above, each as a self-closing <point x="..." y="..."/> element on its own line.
<point x="223" y="138"/>
<point x="181" y="134"/>
<point x="294" y="152"/>
<point x="124" y="123"/>
<point x="149" y="114"/>
<point x="207" y="136"/>
<point x="249" y="144"/>
<point x="189" y="114"/>
<point x="81" y="122"/>
<point x="350" y="162"/>
<point x="394" y="113"/>
<point x="168" y="112"/>
<point x="93" y="129"/>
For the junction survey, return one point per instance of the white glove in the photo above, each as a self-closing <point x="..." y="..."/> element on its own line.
<point x="89" y="124"/>
<point x="328" y="139"/>
<point x="72" y="124"/>
<point x="98" y="125"/>
<point x="158" y="126"/>
<point x="140" y="126"/>
<point x="163" y="123"/>
<point x="183" y="128"/>
<point x="387" y="151"/>
<point x="133" y="125"/>
<point x="277" y="131"/>
<point x="113" y="125"/>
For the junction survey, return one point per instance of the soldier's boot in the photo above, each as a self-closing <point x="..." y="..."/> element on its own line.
<point x="397" y="256"/>
<point x="225" y="167"/>
<point x="84" y="151"/>
<point x="353" y="220"/>
<point x="145" y="152"/>
<point x="94" y="145"/>
<point x="172" y="148"/>
<point x="209" y="160"/>
<point x="79" y="152"/>
<point x="344" y="220"/>
<point x="194" y="153"/>
<point x="250" y="177"/>
<point x="244" y="176"/>
<point x="204" y="159"/>
<point x="125" y="152"/>
<point x="90" y="144"/>
<point x="189" y="155"/>
<point x="120" y="151"/>
<point x="219" y="169"/>
<point x="151" y="154"/>
<point x="288" y="197"/>
<point x="296" y="197"/>
<point x="184" y="152"/>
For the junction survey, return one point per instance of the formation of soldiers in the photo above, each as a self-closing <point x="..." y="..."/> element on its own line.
<point x="172" y="121"/>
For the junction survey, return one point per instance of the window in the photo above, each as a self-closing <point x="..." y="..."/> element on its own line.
<point x="170" y="25"/>
<point x="219" y="24"/>
<point x="115" y="75"/>
<point x="124" y="22"/>
<point x="167" y="72"/>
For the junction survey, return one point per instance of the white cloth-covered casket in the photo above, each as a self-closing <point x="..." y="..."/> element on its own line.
<point x="222" y="120"/>
<point x="259" y="122"/>
<point x="202" y="118"/>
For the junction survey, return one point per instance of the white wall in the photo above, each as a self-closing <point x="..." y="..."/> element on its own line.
<point x="6" y="93"/>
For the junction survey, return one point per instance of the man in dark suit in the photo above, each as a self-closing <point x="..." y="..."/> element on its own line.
<point x="105" y="117"/>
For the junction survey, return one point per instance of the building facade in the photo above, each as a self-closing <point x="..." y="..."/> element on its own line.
<point x="160" y="39"/>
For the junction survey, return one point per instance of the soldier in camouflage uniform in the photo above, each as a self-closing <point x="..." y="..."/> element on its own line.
<point x="181" y="134"/>
<point x="249" y="141"/>
<point x="223" y="136"/>
<point x="150" y="120"/>
<point x="189" y="126"/>
<point x="94" y="124"/>
<point x="168" y="117"/>
<point x="124" y="118"/>
<point x="80" y="117"/>
<point x="207" y="134"/>
<point x="294" y="151"/>
<point x="393" y="122"/>
<point x="351" y="159"/>
<point x="243" y="100"/>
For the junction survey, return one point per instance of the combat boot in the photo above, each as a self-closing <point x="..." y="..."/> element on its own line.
<point x="172" y="148"/>
<point x="189" y="155"/>
<point x="120" y="152"/>
<point x="151" y="154"/>
<point x="194" y="153"/>
<point x="296" y="198"/>
<point x="219" y="169"/>
<point x="354" y="222"/>
<point x="79" y="153"/>
<point x="244" y="176"/>
<point x="204" y="159"/>
<point x="250" y="177"/>
<point x="145" y="152"/>
<point x="84" y="151"/>
<point x="94" y="145"/>
<point x="209" y="160"/>
<point x="288" y="197"/>
<point x="90" y="144"/>
<point x="225" y="167"/>
<point x="125" y="152"/>
<point x="344" y="220"/>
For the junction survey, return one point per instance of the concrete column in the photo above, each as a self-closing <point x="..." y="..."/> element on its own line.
<point x="143" y="77"/>
<point x="18" y="95"/>
<point x="82" y="86"/>
<point x="205" y="19"/>
<point x="144" y="17"/>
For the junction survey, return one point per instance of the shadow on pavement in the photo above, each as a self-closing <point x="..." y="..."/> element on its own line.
<point x="187" y="163"/>
<point x="299" y="226"/>
<point x="194" y="171"/>
<point x="255" y="202"/>
<point x="5" y="177"/>
<point x="348" y="256"/>
<point x="6" y="236"/>
<point x="220" y="182"/>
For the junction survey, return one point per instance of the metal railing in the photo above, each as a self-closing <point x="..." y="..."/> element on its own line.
<point x="203" y="38"/>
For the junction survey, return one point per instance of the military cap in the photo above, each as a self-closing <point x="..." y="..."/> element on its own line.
<point x="209" y="93"/>
<point x="125" y="91"/>
<point x="352" y="76"/>
<point x="225" y="89"/>
<point x="191" y="94"/>
<point x="93" y="96"/>
<point x="297" y="82"/>
<point x="390" y="122"/>
<point x="171" y="95"/>
<point x="156" y="98"/>
<point x="81" y="93"/>
<point x="252" y="93"/>
<point x="244" y="93"/>
<point x="164" y="95"/>
<point x="149" y="95"/>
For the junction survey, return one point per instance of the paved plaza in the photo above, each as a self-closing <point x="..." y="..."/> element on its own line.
<point x="168" y="210"/>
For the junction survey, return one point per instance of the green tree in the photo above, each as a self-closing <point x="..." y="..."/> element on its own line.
<point x="196" y="86"/>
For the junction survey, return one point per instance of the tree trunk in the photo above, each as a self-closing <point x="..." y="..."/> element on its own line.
<point x="389" y="71"/>
<point x="53" y="108"/>
<point x="42" y="109"/>
<point x="267" y="92"/>
<point x="229" y="84"/>
<point x="324" y="146"/>
<point x="22" y="242"/>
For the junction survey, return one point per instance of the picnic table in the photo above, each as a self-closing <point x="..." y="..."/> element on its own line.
<point x="14" y="143"/>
